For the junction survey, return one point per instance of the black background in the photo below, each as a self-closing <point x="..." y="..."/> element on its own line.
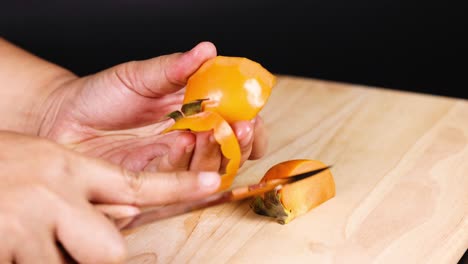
<point x="405" y="45"/>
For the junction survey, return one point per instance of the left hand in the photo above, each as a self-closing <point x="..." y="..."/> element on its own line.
<point x="116" y="114"/>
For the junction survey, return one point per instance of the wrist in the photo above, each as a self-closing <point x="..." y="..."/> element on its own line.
<point x="48" y="107"/>
<point x="27" y="84"/>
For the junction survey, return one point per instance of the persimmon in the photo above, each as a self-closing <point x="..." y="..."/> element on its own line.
<point x="295" y="199"/>
<point x="236" y="88"/>
<point x="222" y="91"/>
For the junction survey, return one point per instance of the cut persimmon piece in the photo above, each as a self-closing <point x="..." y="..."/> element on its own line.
<point x="295" y="199"/>
<point x="223" y="134"/>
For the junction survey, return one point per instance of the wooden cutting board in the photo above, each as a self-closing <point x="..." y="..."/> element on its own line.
<point x="401" y="170"/>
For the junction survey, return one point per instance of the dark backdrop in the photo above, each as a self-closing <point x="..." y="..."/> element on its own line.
<point x="410" y="45"/>
<point x="407" y="45"/>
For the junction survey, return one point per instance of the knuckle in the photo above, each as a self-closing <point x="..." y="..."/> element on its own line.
<point x="128" y="75"/>
<point x="60" y="166"/>
<point x="179" y="180"/>
<point x="11" y="226"/>
<point x="45" y="196"/>
<point x="55" y="156"/>
<point x="124" y="73"/>
<point x="134" y="181"/>
<point x="117" y="252"/>
<point x="46" y="145"/>
<point x="246" y="148"/>
<point x="169" y="74"/>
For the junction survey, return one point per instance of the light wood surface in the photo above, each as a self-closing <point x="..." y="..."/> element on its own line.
<point x="401" y="170"/>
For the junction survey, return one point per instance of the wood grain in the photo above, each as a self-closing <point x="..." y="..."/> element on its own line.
<point x="400" y="162"/>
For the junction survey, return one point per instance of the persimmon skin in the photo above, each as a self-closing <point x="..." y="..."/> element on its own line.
<point x="223" y="134"/>
<point x="237" y="88"/>
<point x="298" y="198"/>
<point x="222" y="91"/>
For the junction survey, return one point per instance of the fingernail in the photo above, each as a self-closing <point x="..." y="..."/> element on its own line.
<point x="212" y="139"/>
<point x="246" y="137"/>
<point x="189" y="148"/>
<point x="208" y="179"/>
<point x="131" y="211"/>
<point x="193" y="50"/>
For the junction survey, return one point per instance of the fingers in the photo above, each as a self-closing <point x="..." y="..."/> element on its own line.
<point x="42" y="250"/>
<point x="110" y="184"/>
<point x="89" y="237"/>
<point x="178" y="156"/>
<point x="124" y="96"/>
<point x="117" y="211"/>
<point x="260" y="140"/>
<point x="244" y="131"/>
<point x="252" y="136"/>
<point x="26" y="230"/>
<point x="165" y="74"/>
<point x="175" y="187"/>
<point x="207" y="155"/>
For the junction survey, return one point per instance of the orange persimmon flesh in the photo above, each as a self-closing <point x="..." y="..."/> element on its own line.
<point x="223" y="134"/>
<point x="236" y="88"/>
<point x="226" y="89"/>
<point x="295" y="199"/>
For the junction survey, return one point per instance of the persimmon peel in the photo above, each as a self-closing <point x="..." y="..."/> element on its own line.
<point x="222" y="91"/>
<point x="295" y="199"/>
<point x="223" y="134"/>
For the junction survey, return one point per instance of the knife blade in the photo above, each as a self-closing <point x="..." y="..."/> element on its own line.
<point x="235" y="194"/>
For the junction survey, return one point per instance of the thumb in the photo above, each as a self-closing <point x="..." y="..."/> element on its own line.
<point x="164" y="74"/>
<point x="122" y="96"/>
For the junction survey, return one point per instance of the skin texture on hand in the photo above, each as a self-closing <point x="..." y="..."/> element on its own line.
<point x="41" y="176"/>
<point x="118" y="115"/>
<point x="26" y="82"/>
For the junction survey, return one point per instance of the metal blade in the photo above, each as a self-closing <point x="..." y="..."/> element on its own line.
<point x="236" y="194"/>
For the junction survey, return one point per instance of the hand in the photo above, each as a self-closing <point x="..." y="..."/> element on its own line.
<point x="47" y="194"/>
<point x="116" y="114"/>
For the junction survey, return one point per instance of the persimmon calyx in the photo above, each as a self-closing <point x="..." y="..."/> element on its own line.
<point x="270" y="205"/>
<point x="238" y="88"/>
<point x="188" y="109"/>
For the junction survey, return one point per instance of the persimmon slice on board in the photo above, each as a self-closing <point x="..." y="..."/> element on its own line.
<point x="295" y="199"/>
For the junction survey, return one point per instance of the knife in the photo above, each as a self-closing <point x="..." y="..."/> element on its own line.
<point x="235" y="194"/>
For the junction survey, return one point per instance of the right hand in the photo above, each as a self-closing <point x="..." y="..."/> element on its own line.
<point x="47" y="193"/>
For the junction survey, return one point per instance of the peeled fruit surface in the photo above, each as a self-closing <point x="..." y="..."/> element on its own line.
<point x="298" y="198"/>
<point x="236" y="88"/>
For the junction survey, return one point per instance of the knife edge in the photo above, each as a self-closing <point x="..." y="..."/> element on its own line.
<point x="235" y="194"/>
